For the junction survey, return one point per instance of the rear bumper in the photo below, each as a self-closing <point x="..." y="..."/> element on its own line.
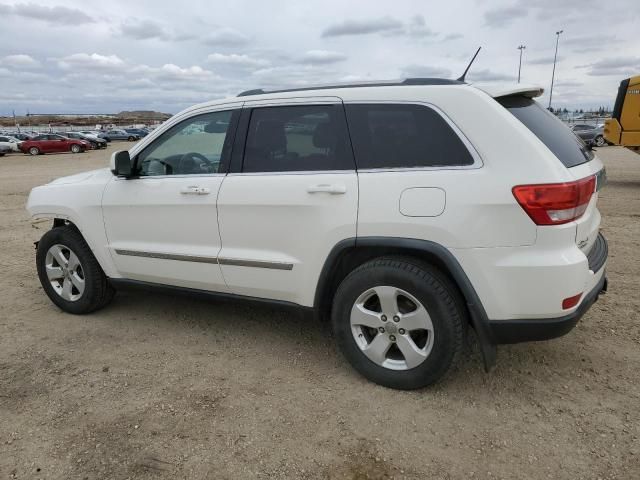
<point x="516" y="331"/>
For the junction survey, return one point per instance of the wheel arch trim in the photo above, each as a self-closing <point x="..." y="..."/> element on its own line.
<point x="478" y="315"/>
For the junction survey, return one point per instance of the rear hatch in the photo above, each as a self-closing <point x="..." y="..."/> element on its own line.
<point x="571" y="150"/>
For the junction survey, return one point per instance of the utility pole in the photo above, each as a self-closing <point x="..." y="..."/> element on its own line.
<point x="555" y="58"/>
<point x="521" y="48"/>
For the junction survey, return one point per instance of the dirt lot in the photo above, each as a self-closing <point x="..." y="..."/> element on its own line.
<point x="160" y="387"/>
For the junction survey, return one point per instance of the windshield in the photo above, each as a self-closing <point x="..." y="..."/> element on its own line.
<point x="563" y="143"/>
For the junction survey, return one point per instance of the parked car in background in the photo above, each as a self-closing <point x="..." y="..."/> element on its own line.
<point x="4" y="150"/>
<point x="591" y="134"/>
<point x="53" y="143"/>
<point x="119" y="135"/>
<point x="141" y="132"/>
<point x="22" y="136"/>
<point x="11" y="142"/>
<point x="94" y="134"/>
<point x="94" y="142"/>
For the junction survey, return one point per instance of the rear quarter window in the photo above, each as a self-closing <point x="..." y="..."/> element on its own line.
<point x="558" y="138"/>
<point x="403" y="136"/>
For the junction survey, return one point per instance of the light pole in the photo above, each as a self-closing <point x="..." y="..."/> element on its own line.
<point x="521" y="48"/>
<point x="555" y="58"/>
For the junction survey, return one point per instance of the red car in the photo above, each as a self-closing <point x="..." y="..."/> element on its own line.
<point x="51" y="143"/>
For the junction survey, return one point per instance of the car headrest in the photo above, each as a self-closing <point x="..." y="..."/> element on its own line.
<point x="323" y="136"/>
<point x="270" y="135"/>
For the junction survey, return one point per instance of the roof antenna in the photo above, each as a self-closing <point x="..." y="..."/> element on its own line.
<point x="461" y="78"/>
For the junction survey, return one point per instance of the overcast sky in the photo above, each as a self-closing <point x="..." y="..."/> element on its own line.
<point x="64" y="56"/>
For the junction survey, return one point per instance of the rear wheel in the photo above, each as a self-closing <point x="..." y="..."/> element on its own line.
<point x="75" y="148"/>
<point x="131" y="139"/>
<point x="600" y="141"/>
<point x="69" y="273"/>
<point x="398" y="322"/>
<point x="34" y="151"/>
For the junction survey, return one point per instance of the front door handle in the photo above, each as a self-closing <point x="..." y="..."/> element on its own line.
<point x="195" y="190"/>
<point x="326" y="188"/>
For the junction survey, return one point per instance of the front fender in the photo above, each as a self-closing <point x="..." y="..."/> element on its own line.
<point x="81" y="205"/>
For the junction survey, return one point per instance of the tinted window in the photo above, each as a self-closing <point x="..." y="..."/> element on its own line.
<point x="40" y="137"/>
<point x="4" y="139"/>
<point x="193" y="147"/>
<point x="403" y="136"/>
<point x="562" y="142"/>
<point x="300" y="138"/>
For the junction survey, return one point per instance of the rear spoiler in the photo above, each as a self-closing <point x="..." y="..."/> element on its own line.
<point x="497" y="91"/>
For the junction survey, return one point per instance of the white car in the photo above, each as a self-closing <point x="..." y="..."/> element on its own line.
<point x="404" y="212"/>
<point x="12" y="143"/>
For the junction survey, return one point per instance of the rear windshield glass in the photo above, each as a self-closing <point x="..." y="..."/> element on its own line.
<point x="569" y="148"/>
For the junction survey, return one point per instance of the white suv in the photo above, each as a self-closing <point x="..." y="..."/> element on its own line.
<point x="404" y="212"/>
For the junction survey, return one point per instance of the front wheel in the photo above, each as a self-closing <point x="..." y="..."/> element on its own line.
<point x="69" y="273"/>
<point x="75" y="148"/>
<point x="34" y="151"/>
<point x="398" y="322"/>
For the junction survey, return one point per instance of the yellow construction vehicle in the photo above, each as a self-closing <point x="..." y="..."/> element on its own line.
<point x="624" y="126"/>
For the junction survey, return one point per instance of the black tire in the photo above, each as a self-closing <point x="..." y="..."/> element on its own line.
<point x="98" y="292"/>
<point x="34" y="151"/>
<point x="131" y="139"/>
<point x="75" y="148"/>
<point x="431" y="288"/>
<point x="599" y="141"/>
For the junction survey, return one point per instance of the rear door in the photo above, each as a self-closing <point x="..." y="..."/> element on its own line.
<point x="291" y="196"/>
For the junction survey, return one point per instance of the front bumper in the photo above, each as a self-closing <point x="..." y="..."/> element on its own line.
<point x="516" y="331"/>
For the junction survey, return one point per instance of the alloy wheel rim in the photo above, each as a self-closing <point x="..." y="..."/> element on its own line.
<point x="392" y="328"/>
<point x="65" y="272"/>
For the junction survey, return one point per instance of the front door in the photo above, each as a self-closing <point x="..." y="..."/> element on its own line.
<point x="162" y="226"/>
<point x="291" y="195"/>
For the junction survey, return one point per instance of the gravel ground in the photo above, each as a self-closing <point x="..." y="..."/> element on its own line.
<point x="161" y="387"/>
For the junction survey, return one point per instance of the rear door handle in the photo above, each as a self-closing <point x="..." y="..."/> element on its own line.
<point x="326" y="188"/>
<point x="195" y="190"/>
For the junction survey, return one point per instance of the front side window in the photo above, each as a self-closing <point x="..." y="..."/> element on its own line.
<point x="403" y="136"/>
<point x="297" y="138"/>
<point x="193" y="147"/>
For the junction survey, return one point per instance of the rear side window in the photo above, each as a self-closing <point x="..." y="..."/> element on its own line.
<point x="558" y="138"/>
<point x="297" y="138"/>
<point x="403" y="136"/>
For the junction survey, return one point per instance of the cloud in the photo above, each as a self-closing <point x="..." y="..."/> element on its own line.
<point x="543" y="60"/>
<point x="228" y="37"/>
<point x="94" y="61"/>
<point x="416" y="71"/>
<point x="386" y="26"/>
<point x="417" y="28"/>
<point x="588" y="43"/>
<point x="503" y="16"/>
<point x="452" y="36"/>
<point x="56" y="15"/>
<point x="618" y="66"/>
<point x="19" y="61"/>
<point x="487" y="75"/>
<point x="235" y="60"/>
<point x="322" y="57"/>
<point x="363" y="27"/>
<point x="144" y="30"/>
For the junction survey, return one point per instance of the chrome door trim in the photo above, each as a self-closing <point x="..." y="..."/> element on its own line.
<point x="167" y="256"/>
<point x="255" y="264"/>
<point x="236" y="262"/>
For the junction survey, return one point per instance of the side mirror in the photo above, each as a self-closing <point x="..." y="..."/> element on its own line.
<point x="121" y="164"/>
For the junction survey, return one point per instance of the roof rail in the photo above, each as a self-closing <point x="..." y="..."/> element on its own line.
<point x="390" y="83"/>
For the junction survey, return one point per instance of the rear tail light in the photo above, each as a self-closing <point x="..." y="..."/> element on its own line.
<point x="571" y="302"/>
<point x="555" y="203"/>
